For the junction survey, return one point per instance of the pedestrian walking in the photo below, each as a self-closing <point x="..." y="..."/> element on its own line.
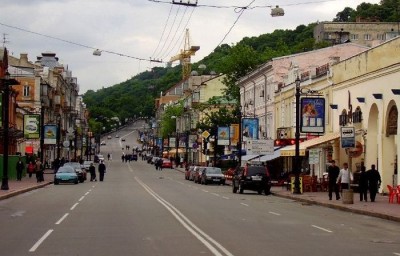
<point x="108" y="156"/>
<point x="39" y="168"/>
<point x="31" y="169"/>
<point x="374" y="180"/>
<point x="102" y="170"/>
<point x="123" y="158"/>
<point x="333" y="173"/>
<point x="160" y="163"/>
<point x="363" y="185"/>
<point x="20" y="168"/>
<point x="345" y="177"/>
<point x="92" y="171"/>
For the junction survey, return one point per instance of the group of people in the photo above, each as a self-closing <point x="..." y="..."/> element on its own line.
<point x="102" y="170"/>
<point x="369" y="180"/>
<point x="36" y="168"/>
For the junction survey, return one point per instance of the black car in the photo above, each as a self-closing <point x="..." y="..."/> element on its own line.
<point x="252" y="177"/>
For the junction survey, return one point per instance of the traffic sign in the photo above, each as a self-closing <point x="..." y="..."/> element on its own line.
<point x="205" y="134"/>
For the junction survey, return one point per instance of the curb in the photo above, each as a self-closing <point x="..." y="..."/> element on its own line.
<point x="342" y="208"/>
<point x="24" y="190"/>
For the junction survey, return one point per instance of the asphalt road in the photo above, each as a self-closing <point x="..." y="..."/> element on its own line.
<point x="140" y="211"/>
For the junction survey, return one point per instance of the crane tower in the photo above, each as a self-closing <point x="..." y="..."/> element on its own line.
<point x="184" y="56"/>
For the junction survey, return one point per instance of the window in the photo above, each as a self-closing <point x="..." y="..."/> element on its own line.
<point x="381" y="37"/>
<point x="26" y="90"/>
<point x="353" y="37"/>
<point x="367" y="37"/>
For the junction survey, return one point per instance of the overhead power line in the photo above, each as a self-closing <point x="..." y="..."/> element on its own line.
<point x="97" y="51"/>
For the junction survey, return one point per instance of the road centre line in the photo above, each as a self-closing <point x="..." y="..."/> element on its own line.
<point x="225" y="197"/>
<point x="41" y="240"/>
<point x="87" y="193"/>
<point x="80" y="199"/>
<point x="62" y="218"/>
<point x="396" y="253"/>
<point x="204" y="190"/>
<point x="244" y="204"/>
<point x="73" y="207"/>
<point x="323" y="229"/>
<point x="208" y="241"/>
<point x="215" y="194"/>
<point x="275" y="213"/>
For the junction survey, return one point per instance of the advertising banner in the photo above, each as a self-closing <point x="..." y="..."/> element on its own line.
<point x="31" y="126"/>
<point x="234" y="134"/>
<point x="250" y="129"/>
<point x="223" y="136"/>
<point x="312" y="115"/>
<point x="50" y="134"/>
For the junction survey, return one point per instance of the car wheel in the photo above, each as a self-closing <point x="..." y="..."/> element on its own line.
<point x="241" y="188"/>
<point x="259" y="191"/>
<point x="205" y="182"/>
<point x="76" y="182"/>
<point x="56" y="182"/>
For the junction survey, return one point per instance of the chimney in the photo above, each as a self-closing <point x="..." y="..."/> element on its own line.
<point x="23" y="60"/>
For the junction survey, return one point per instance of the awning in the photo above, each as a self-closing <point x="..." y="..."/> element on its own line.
<point x="249" y="157"/>
<point x="290" y="150"/>
<point x="269" y="157"/>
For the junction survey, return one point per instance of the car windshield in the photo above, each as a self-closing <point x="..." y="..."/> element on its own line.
<point x="65" y="170"/>
<point x="254" y="170"/>
<point x="213" y="170"/>
<point x="73" y="164"/>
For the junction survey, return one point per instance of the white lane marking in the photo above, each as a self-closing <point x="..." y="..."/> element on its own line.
<point x="80" y="199"/>
<point x="62" y="218"/>
<point x="87" y="193"/>
<point x="396" y="253"/>
<point x="73" y="207"/>
<point x="204" y="190"/>
<point x="40" y="241"/>
<point x="225" y="197"/>
<point x="323" y="229"/>
<point x="208" y="241"/>
<point x="215" y="194"/>
<point x="181" y="183"/>
<point x="275" y="213"/>
<point x="244" y="204"/>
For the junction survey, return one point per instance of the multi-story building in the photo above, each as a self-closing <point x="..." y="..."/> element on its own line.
<point x="361" y="32"/>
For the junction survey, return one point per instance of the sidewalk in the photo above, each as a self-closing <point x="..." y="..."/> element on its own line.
<point x="25" y="185"/>
<point x="381" y="208"/>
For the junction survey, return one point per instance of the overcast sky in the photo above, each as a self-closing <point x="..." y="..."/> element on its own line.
<point x="141" y="29"/>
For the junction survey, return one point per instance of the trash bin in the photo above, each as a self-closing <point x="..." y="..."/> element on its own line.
<point x="347" y="196"/>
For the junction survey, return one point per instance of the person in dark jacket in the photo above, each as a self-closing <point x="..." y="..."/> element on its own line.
<point x="92" y="171"/>
<point x="20" y="168"/>
<point x="102" y="170"/>
<point x="374" y="179"/>
<point x="333" y="173"/>
<point x="363" y="185"/>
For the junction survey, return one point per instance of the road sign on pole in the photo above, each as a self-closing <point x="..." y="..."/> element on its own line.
<point x="347" y="137"/>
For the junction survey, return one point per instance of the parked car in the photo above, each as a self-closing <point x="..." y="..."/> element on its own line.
<point x="116" y="136"/>
<point x="86" y="164"/>
<point x="188" y="170"/>
<point x="134" y="157"/>
<point x="166" y="163"/>
<point x="229" y="174"/>
<point x="212" y="175"/>
<point x="98" y="158"/>
<point x="103" y="143"/>
<point x="198" y="173"/>
<point x="109" y="137"/>
<point x="252" y="177"/>
<point x="78" y="169"/>
<point x="193" y="172"/>
<point x="66" y="174"/>
<point x="123" y="139"/>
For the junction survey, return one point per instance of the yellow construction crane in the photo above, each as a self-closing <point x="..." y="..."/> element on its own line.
<point x="184" y="56"/>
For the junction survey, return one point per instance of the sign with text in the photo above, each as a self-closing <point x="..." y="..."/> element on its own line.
<point x="223" y="136"/>
<point x="50" y="134"/>
<point x="31" y="126"/>
<point x="313" y="156"/>
<point x="347" y="137"/>
<point x="260" y="147"/>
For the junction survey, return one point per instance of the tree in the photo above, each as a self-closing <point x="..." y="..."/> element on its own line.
<point x="345" y="15"/>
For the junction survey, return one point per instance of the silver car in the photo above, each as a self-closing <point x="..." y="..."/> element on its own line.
<point x="212" y="175"/>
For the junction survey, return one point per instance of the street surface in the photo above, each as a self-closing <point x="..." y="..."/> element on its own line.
<point x="140" y="211"/>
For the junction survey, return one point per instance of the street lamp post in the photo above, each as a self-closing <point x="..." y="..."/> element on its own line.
<point x="58" y="135"/>
<point x="6" y="81"/>
<point x="297" y="141"/>
<point x="240" y="138"/>
<point x="42" y="132"/>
